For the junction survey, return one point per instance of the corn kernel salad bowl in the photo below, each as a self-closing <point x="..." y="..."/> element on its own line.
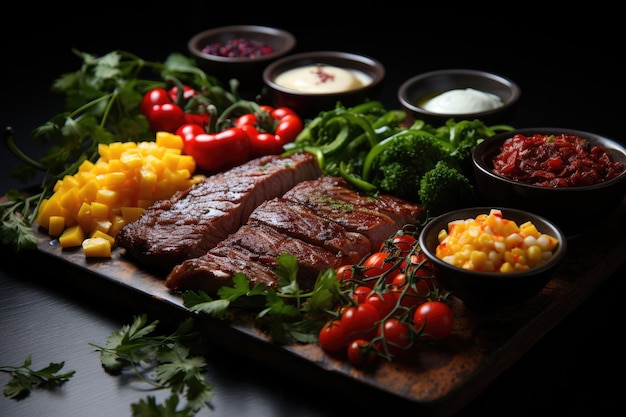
<point x="492" y="258"/>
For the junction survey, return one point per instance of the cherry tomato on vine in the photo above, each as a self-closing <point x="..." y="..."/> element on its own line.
<point x="385" y="302"/>
<point x="396" y="337"/>
<point x="403" y="242"/>
<point x="344" y="272"/>
<point x="435" y="318"/>
<point x="360" y="294"/>
<point x="359" y="321"/>
<point x="361" y="353"/>
<point x="332" y="336"/>
<point x="376" y="265"/>
<point x="414" y="295"/>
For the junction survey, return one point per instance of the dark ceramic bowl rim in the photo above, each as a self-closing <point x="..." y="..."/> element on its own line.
<point x="441" y="221"/>
<point x="485" y="150"/>
<point x="194" y="43"/>
<point x="405" y="88"/>
<point x="324" y="57"/>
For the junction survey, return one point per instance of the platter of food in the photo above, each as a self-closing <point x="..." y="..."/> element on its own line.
<point x="440" y="378"/>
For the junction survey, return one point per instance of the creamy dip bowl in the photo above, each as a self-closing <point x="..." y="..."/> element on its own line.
<point x="460" y="94"/>
<point x="312" y="82"/>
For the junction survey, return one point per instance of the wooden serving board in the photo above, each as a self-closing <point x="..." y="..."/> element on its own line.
<point x="438" y="380"/>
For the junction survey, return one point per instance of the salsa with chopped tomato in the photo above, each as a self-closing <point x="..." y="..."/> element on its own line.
<point x="555" y="161"/>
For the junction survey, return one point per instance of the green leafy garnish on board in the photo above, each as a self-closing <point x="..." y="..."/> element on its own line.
<point x="175" y="362"/>
<point x="25" y="379"/>
<point x="102" y="100"/>
<point x="287" y="313"/>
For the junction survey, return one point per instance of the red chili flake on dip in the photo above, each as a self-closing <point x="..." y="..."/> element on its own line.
<point x="555" y="161"/>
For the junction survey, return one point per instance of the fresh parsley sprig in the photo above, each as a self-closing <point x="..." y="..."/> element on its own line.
<point x="287" y="313"/>
<point x="24" y="378"/>
<point x="173" y="362"/>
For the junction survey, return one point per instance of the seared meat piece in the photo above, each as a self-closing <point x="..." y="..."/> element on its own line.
<point x="210" y="272"/>
<point x="377" y="218"/>
<point x="322" y="222"/>
<point x="265" y="244"/>
<point x="195" y="220"/>
<point x="298" y="221"/>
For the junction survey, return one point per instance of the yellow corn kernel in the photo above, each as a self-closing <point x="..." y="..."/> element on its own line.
<point x="72" y="236"/>
<point x="96" y="247"/>
<point x="535" y="254"/>
<point x="478" y="259"/>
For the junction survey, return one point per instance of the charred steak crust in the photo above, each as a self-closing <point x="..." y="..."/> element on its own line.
<point x="195" y="220"/>
<point x="322" y="222"/>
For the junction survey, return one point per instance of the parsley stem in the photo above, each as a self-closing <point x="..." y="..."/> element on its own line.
<point x="10" y="142"/>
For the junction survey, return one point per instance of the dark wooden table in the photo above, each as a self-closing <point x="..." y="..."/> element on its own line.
<point x="569" y="370"/>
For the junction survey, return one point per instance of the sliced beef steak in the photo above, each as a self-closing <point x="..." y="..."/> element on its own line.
<point x="210" y="272"/>
<point x="195" y="220"/>
<point x="300" y="222"/>
<point x="322" y="222"/>
<point x="377" y="218"/>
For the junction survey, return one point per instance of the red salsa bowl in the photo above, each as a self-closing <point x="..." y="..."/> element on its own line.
<point x="577" y="190"/>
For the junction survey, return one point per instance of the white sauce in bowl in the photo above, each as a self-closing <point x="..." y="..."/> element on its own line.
<point x="319" y="79"/>
<point x="461" y="101"/>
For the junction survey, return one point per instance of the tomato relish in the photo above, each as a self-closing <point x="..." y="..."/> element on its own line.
<point x="555" y="161"/>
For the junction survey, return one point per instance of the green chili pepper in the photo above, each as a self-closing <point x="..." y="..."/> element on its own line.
<point x="347" y="173"/>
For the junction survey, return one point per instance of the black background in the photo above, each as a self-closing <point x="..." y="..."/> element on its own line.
<point x="567" y="69"/>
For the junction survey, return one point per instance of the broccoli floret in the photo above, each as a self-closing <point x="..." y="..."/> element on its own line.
<point x="445" y="188"/>
<point x="396" y="164"/>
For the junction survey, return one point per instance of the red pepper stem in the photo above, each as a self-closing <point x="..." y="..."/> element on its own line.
<point x="212" y="125"/>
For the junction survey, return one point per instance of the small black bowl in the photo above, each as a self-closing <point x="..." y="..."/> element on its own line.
<point x="248" y="71"/>
<point x="491" y="291"/>
<point x="414" y="92"/>
<point x="310" y="104"/>
<point x="571" y="208"/>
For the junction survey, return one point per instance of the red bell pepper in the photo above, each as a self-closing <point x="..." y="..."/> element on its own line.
<point x="270" y="129"/>
<point x="215" y="151"/>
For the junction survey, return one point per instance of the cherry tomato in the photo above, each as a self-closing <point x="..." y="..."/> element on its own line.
<point x="416" y="294"/>
<point x="435" y="319"/>
<point x="332" y="336"/>
<point x="360" y="321"/>
<point x="361" y="353"/>
<point x="152" y="97"/>
<point x="396" y="337"/>
<point x="344" y="272"/>
<point x="375" y="264"/>
<point x="360" y="294"/>
<point x="403" y="242"/>
<point x="384" y="302"/>
<point x="165" y="117"/>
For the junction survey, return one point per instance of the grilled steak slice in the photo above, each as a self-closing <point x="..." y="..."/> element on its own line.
<point x="377" y="218"/>
<point x="307" y="223"/>
<point x="300" y="222"/>
<point x="210" y="272"/>
<point x="195" y="220"/>
<point x="264" y="244"/>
